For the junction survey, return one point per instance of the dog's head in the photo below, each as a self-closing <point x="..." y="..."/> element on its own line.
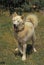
<point x="17" y="20"/>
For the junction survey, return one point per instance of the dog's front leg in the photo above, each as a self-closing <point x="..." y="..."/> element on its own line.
<point x="24" y="52"/>
<point x="20" y="48"/>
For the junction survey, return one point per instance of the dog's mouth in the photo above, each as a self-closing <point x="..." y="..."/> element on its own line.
<point x="16" y="28"/>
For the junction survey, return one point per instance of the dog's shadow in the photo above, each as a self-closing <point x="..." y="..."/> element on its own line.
<point x="28" y="51"/>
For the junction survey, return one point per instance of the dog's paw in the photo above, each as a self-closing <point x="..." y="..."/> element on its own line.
<point x="34" y="50"/>
<point x="16" y="49"/>
<point x="23" y="58"/>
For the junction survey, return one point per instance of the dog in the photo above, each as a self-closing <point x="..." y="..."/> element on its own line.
<point x="25" y="30"/>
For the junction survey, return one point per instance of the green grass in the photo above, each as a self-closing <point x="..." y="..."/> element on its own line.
<point x="8" y="43"/>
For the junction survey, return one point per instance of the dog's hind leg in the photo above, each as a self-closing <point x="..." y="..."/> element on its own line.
<point x="33" y="41"/>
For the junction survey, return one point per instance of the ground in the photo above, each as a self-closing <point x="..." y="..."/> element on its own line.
<point x="8" y="43"/>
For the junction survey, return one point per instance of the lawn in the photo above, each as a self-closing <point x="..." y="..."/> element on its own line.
<point x="8" y="43"/>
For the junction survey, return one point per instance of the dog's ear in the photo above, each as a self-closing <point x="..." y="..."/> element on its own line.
<point x="22" y="17"/>
<point x="14" y="14"/>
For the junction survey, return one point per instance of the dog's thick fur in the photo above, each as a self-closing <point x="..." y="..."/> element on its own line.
<point x="26" y="31"/>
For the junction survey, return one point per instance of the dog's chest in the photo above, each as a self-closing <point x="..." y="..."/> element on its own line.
<point x="27" y="30"/>
<point x="23" y="33"/>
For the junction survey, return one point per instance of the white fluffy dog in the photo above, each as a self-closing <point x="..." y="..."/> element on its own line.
<point x="25" y="30"/>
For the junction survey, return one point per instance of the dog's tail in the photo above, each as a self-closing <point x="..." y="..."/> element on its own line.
<point x="33" y="19"/>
